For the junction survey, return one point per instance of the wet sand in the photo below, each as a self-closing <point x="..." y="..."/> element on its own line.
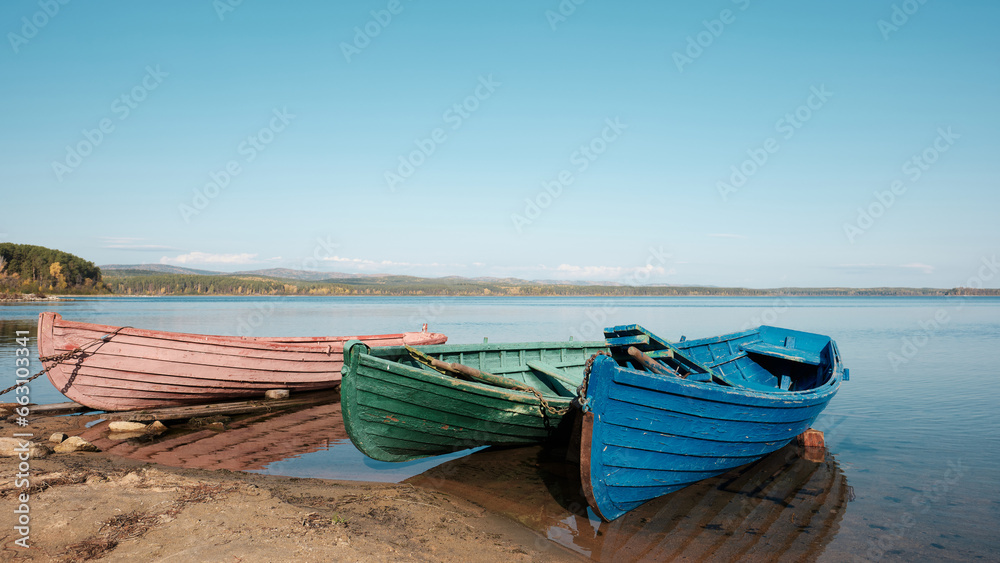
<point x="197" y="492"/>
<point x="98" y="506"/>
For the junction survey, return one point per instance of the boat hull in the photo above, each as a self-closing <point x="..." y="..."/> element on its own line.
<point x="135" y="369"/>
<point x="645" y="435"/>
<point x="396" y="410"/>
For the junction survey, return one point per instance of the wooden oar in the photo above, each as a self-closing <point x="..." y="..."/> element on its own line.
<point x="651" y="364"/>
<point x="466" y="372"/>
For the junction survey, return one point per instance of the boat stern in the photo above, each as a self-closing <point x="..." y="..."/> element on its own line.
<point x="423" y="338"/>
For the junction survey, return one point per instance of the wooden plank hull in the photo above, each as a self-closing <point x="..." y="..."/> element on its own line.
<point x="396" y="409"/>
<point x="645" y="435"/>
<point x="139" y="369"/>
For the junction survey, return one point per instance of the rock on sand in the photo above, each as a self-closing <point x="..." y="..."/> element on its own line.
<point x="76" y="444"/>
<point x="12" y="447"/>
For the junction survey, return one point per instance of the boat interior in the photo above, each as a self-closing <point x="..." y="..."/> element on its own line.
<point x="766" y="359"/>
<point x="554" y="369"/>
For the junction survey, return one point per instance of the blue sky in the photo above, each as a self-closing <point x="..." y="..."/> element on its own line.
<point x="746" y="143"/>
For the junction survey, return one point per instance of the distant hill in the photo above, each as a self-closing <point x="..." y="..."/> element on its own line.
<point x="306" y="275"/>
<point x="158" y="268"/>
<point x="311" y="275"/>
<point x="159" y="279"/>
<point x="277" y="273"/>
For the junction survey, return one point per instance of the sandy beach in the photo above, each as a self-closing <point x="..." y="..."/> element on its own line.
<point x="95" y="506"/>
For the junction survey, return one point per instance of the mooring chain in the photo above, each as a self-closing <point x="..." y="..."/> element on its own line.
<point x="546" y="409"/>
<point x="60" y="358"/>
<point x="581" y="391"/>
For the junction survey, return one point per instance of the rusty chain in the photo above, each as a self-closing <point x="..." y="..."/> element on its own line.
<point x="581" y="391"/>
<point x="546" y="409"/>
<point x="60" y="358"/>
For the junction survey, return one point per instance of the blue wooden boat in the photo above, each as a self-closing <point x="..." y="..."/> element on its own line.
<point x="659" y="416"/>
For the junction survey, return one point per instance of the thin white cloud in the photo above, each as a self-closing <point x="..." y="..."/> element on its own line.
<point x="140" y="247"/>
<point x="570" y="272"/>
<point x="607" y="272"/>
<point x="206" y="258"/>
<point x="573" y="272"/>
<point x="133" y="243"/>
<point x="363" y="264"/>
<point x="867" y="268"/>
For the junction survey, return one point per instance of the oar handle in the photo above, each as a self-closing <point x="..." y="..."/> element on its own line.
<point x="651" y="364"/>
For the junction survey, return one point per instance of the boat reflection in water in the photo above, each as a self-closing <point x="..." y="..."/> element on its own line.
<point x="248" y="443"/>
<point x="783" y="507"/>
<point x="307" y="442"/>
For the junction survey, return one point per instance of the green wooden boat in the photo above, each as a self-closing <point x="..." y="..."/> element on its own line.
<point x="401" y="403"/>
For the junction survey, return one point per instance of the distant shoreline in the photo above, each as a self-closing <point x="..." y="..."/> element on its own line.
<point x="861" y="293"/>
<point x="30" y="297"/>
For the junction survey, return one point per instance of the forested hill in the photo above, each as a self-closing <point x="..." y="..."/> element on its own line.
<point x="26" y="268"/>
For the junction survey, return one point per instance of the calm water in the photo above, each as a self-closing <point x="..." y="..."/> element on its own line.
<point x="913" y="471"/>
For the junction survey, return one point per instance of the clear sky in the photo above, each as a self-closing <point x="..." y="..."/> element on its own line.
<point x="743" y="142"/>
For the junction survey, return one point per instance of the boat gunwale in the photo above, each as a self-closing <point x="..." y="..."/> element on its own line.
<point x="778" y="399"/>
<point x="283" y="344"/>
<point x="316" y="352"/>
<point x="442" y="380"/>
<point x="487" y="347"/>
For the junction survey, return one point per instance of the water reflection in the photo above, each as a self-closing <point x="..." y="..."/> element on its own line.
<point x="247" y="443"/>
<point x="784" y="507"/>
<point x="305" y="442"/>
<point x="10" y="327"/>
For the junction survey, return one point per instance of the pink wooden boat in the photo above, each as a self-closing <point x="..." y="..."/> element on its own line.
<point x="138" y="369"/>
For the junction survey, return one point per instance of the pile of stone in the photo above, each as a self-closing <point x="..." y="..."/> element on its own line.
<point x="64" y="443"/>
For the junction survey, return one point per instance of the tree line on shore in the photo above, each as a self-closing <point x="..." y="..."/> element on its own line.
<point x="123" y="283"/>
<point x="36" y="269"/>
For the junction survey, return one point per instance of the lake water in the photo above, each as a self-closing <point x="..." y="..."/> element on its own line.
<point x="913" y="439"/>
